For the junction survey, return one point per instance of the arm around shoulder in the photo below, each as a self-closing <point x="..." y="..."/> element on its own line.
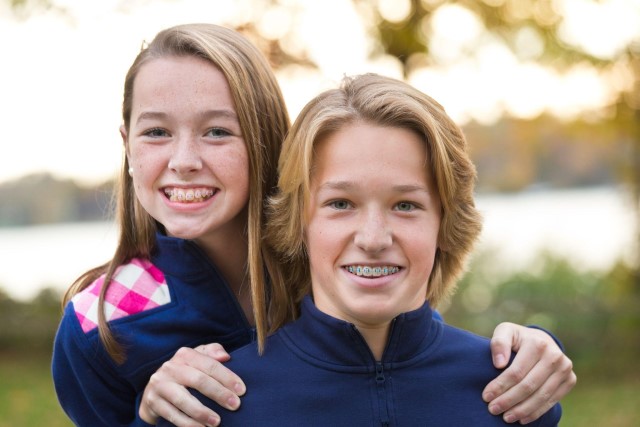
<point x="88" y="389"/>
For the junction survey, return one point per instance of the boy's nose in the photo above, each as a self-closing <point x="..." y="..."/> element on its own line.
<point x="373" y="234"/>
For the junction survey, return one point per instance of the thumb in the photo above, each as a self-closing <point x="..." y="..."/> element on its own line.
<point x="504" y="339"/>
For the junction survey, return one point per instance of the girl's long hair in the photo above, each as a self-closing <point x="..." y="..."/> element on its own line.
<point x="264" y="121"/>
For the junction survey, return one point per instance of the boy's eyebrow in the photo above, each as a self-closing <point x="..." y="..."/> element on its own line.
<point x="337" y="185"/>
<point x="349" y="185"/>
<point x="410" y="188"/>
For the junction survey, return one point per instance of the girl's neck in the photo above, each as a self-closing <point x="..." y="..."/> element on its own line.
<point x="228" y="250"/>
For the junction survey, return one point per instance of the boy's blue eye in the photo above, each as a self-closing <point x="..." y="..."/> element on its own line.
<point x="340" y="204"/>
<point x="405" y="206"/>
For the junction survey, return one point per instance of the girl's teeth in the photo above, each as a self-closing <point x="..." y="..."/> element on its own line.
<point x="368" y="271"/>
<point x="188" y="196"/>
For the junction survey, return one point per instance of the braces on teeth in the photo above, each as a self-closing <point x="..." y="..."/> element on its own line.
<point x="372" y="271"/>
<point x="189" y="195"/>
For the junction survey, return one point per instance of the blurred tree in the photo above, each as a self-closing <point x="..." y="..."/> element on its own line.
<point x="593" y="313"/>
<point x="42" y="199"/>
<point x="405" y="36"/>
<point x="22" y="9"/>
<point x="29" y="327"/>
<point x="547" y="153"/>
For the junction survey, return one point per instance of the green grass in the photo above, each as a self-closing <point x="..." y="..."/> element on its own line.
<point x="598" y="404"/>
<point x="27" y="398"/>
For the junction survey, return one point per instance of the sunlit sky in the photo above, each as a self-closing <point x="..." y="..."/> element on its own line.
<point x="62" y="73"/>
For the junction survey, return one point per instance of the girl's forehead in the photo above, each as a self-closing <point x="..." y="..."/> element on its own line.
<point x="180" y="84"/>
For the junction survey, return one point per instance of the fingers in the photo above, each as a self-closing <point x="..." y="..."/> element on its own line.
<point x="540" y="402"/>
<point x="166" y="394"/>
<point x="504" y="339"/>
<point x="530" y="354"/>
<point x="191" y="414"/>
<point x="174" y="403"/>
<point x="538" y="378"/>
<point x="215" y="351"/>
<point x="195" y="370"/>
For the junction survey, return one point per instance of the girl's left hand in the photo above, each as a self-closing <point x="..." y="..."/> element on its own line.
<point x="539" y="376"/>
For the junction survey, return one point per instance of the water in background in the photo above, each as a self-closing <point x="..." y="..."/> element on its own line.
<point x="592" y="227"/>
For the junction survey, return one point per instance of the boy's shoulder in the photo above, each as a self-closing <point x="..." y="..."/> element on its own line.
<point x="135" y="287"/>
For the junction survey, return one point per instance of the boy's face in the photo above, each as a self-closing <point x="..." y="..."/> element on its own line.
<point x="372" y="224"/>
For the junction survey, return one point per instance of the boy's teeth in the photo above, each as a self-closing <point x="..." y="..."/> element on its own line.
<point x="367" y="271"/>
<point x="190" y="195"/>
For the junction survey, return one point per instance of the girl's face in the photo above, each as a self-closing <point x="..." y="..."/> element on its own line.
<point x="372" y="224"/>
<point x="185" y="146"/>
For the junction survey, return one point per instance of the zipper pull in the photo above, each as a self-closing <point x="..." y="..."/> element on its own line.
<point x="379" y="373"/>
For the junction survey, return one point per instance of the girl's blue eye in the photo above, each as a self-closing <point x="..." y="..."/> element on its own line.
<point x="218" y="132"/>
<point x="340" y="204"/>
<point x="405" y="206"/>
<point x="156" y="132"/>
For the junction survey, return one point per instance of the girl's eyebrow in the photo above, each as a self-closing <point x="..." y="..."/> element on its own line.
<point x="151" y="115"/>
<point x="226" y="113"/>
<point x="208" y="114"/>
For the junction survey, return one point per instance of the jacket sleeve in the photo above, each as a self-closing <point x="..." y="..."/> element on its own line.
<point x="89" y="388"/>
<point x="551" y="418"/>
<point x="436" y="315"/>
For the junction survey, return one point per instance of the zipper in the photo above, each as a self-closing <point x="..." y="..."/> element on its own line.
<point x="381" y="389"/>
<point x="382" y="395"/>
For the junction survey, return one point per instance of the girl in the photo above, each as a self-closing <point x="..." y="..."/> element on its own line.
<point x="203" y="121"/>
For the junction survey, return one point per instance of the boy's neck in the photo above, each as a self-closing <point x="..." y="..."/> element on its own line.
<point x="376" y="337"/>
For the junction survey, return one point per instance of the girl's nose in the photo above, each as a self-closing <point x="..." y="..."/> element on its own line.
<point x="186" y="157"/>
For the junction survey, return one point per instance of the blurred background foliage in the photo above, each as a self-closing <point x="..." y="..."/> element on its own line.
<point x="596" y="314"/>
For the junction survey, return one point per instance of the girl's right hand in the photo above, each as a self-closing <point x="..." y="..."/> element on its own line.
<point x="166" y="395"/>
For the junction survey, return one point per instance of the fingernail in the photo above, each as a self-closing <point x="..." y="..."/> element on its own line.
<point x="488" y="396"/>
<point x="233" y="402"/>
<point x="213" y="421"/>
<point x="495" y="409"/>
<point x="509" y="418"/>
<point x="239" y="388"/>
<point x="500" y="359"/>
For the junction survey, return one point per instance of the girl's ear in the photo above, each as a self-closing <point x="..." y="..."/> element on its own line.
<point x="125" y="138"/>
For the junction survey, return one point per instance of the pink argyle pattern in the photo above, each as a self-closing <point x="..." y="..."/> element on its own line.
<point x="136" y="287"/>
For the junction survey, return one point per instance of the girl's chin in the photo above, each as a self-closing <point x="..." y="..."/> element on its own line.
<point x="185" y="233"/>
